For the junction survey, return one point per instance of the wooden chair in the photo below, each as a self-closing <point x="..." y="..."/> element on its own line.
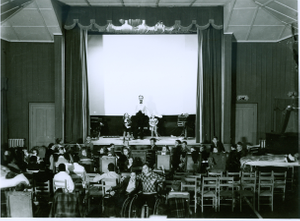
<point x="106" y="184"/>
<point x="209" y="190"/>
<point x="215" y="174"/>
<point x="94" y="189"/>
<point x="249" y="174"/>
<point x="247" y="190"/>
<point x="60" y="184"/>
<point x="42" y="191"/>
<point x="179" y="195"/>
<point x="280" y="183"/>
<point x="189" y="184"/>
<point x="226" y="191"/>
<point x="265" y="190"/>
<point x="236" y="178"/>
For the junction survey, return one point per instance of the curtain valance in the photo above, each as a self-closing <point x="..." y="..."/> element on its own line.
<point x="103" y="17"/>
<point x="138" y="26"/>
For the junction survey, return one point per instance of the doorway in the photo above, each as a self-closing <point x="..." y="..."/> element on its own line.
<point x="41" y="124"/>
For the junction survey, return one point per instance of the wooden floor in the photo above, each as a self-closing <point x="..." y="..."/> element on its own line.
<point x="118" y="141"/>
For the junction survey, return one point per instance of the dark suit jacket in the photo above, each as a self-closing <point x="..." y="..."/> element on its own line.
<point x="121" y="188"/>
<point x="219" y="146"/>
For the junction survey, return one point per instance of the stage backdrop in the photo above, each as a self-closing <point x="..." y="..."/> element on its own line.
<point x="163" y="68"/>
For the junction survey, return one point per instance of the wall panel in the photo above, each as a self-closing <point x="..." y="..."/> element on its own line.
<point x="264" y="71"/>
<point x="30" y="72"/>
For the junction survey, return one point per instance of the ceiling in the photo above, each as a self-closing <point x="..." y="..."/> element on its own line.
<point x="249" y="20"/>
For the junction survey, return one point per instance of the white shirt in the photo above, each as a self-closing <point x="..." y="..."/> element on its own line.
<point x="109" y="174"/>
<point x="131" y="186"/>
<point x="20" y="178"/>
<point x="79" y="170"/>
<point x="62" y="176"/>
<point x="141" y="107"/>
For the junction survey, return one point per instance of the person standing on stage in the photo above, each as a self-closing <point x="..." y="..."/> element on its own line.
<point x="126" y="126"/>
<point x="140" y="118"/>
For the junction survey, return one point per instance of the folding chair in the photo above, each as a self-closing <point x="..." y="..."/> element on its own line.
<point x="247" y="190"/>
<point x="265" y="190"/>
<point x="209" y="189"/>
<point x="226" y="191"/>
<point x="236" y="178"/>
<point x="189" y="184"/>
<point x="94" y="189"/>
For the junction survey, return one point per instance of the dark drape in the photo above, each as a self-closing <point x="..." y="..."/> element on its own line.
<point x="4" y="124"/>
<point x="209" y="100"/>
<point x="77" y="104"/>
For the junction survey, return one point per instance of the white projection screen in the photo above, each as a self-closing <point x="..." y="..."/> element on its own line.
<point x="162" y="68"/>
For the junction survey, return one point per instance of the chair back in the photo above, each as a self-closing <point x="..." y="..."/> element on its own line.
<point x="107" y="183"/>
<point x="189" y="184"/>
<point x="183" y="195"/>
<point x="248" y="183"/>
<point x="163" y="161"/>
<point x="215" y="174"/>
<point x="279" y="178"/>
<point x="236" y="175"/>
<point x="60" y="184"/>
<point x="42" y="190"/>
<point x="226" y="183"/>
<point x="19" y="204"/>
<point x="249" y="174"/>
<point x="209" y="183"/>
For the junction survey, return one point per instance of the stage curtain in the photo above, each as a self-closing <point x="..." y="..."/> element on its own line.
<point x="77" y="103"/>
<point x="208" y="113"/>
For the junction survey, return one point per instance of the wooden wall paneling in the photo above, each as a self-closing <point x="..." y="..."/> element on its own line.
<point x="30" y="67"/>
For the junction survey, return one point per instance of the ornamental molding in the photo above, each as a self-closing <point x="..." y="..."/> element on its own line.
<point x="139" y="26"/>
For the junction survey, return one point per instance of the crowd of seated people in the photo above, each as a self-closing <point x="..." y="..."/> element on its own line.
<point x="60" y="164"/>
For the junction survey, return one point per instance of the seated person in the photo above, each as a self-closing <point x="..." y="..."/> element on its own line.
<point x="88" y="144"/>
<point x="176" y="153"/>
<point x="217" y="144"/>
<point x="123" y="158"/>
<point x="110" y="174"/>
<point x="204" y="156"/>
<point x="33" y="164"/>
<point x="128" y="165"/>
<point x="165" y="150"/>
<point x="242" y="152"/>
<point x="62" y="175"/>
<point x="84" y="154"/>
<point x="103" y="151"/>
<point x="78" y="169"/>
<point x="111" y="150"/>
<point x="217" y="161"/>
<point x="233" y="161"/>
<point x="151" y="183"/>
<point x="11" y="179"/>
<point x="127" y="188"/>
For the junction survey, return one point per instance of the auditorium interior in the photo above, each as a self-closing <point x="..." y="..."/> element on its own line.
<point x="204" y="94"/>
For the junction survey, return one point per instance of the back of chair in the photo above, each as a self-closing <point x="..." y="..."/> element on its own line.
<point x="209" y="183"/>
<point x="189" y="184"/>
<point x="235" y="175"/>
<point x="215" y="174"/>
<point x="90" y="177"/>
<point x="60" y="184"/>
<point x="173" y="194"/>
<point x="42" y="189"/>
<point x="249" y="174"/>
<point x="164" y="161"/>
<point x="226" y="183"/>
<point x="19" y="204"/>
<point x="248" y="183"/>
<point x="279" y="178"/>
<point x="107" y="183"/>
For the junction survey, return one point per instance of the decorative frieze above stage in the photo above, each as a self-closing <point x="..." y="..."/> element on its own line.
<point x="139" y="26"/>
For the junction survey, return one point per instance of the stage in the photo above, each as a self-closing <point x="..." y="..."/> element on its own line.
<point x="166" y="140"/>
